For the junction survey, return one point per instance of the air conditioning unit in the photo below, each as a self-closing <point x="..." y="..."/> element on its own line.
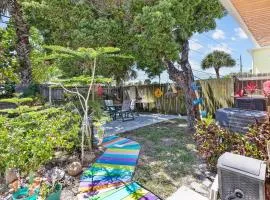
<point x="241" y="177"/>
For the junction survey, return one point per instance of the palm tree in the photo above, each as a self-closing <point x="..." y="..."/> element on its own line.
<point x="23" y="47"/>
<point x="216" y="60"/>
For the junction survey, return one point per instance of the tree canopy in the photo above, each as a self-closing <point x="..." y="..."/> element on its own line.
<point x="8" y="61"/>
<point x="150" y="30"/>
<point x="163" y="31"/>
<point x="162" y="28"/>
<point x="218" y="59"/>
<point x="14" y="10"/>
<point x="89" y="24"/>
<point x="155" y="32"/>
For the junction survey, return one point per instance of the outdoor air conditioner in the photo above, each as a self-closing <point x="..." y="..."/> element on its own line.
<point x="241" y="177"/>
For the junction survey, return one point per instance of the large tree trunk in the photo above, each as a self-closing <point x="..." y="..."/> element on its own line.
<point x="23" y="46"/>
<point x="185" y="79"/>
<point x="217" y="72"/>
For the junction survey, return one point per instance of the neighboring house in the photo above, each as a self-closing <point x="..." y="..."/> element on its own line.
<point x="254" y="18"/>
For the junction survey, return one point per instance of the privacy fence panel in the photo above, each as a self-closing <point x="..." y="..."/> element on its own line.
<point x="217" y="93"/>
<point x="168" y="103"/>
<point x="55" y="94"/>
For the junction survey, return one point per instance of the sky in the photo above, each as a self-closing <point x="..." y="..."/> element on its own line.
<point x="228" y="36"/>
<point x="3" y="19"/>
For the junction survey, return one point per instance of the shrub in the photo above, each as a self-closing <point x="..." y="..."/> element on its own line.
<point x="212" y="141"/>
<point x="255" y="142"/>
<point x="19" y="101"/>
<point x="31" y="91"/>
<point x="82" y="81"/>
<point x="29" y="140"/>
<point x="15" y="112"/>
<point x="7" y="90"/>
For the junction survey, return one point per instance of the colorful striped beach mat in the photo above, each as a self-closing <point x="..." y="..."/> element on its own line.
<point x="110" y="177"/>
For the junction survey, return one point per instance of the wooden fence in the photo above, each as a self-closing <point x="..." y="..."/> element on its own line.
<point x="168" y="103"/>
<point x="217" y="94"/>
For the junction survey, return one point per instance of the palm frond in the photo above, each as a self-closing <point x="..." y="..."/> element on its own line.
<point x="218" y="59"/>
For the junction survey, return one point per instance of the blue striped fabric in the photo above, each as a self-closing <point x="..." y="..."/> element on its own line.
<point x="110" y="178"/>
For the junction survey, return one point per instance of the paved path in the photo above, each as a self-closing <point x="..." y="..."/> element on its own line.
<point x="184" y="193"/>
<point x="110" y="177"/>
<point x="118" y="126"/>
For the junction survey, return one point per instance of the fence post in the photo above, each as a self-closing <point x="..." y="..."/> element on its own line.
<point x="50" y="95"/>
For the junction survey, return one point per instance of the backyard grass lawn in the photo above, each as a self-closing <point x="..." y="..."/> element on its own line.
<point x="167" y="158"/>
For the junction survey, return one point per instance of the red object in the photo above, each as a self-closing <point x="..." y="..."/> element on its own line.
<point x="99" y="91"/>
<point x="239" y="93"/>
<point x="251" y="87"/>
<point x="266" y="88"/>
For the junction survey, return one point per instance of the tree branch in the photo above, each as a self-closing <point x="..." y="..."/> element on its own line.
<point x="72" y="92"/>
<point x="80" y="99"/>
<point x="175" y="74"/>
<point x="93" y="78"/>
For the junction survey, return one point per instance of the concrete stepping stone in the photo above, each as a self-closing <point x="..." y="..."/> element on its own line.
<point x="185" y="193"/>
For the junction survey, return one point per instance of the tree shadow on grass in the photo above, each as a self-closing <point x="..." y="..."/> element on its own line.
<point x="167" y="156"/>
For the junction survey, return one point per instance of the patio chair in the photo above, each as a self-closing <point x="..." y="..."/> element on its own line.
<point x="110" y="108"/>
<point x="108" y="103"/>
<point x="133" y="107"/>
<point x="126" y="111"/>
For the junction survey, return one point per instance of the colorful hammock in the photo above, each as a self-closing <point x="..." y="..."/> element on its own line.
<point x="110" y="177"/>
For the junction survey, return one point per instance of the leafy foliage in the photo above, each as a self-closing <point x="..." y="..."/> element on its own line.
<point x="7" y="90"/>
<point x="81" y="81"/>
<point x="9" y="67"/>
<point x="30" y="139"/>
<point x="23" y="48"/>
<point x="99" y="116"/>
<point x="32" y="91"/>
<point x="19" y="101"/>
<point x="54" y="17"/>
<point x="162" y="28"/>
<point x="82" y="58"/>
<point x="216" y="60"/>
<point x="87" y="27"/>
<point x="8" y="60"/>
<point x="150" y="30"/>
<point x="212" y="141"/>
<point x="41" y="70"/>
<point x="255" y="142"/>
<point x="11" y="113"/>
<point x="141" y="28"/>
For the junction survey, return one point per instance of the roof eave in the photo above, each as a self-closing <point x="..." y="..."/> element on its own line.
<point x="233" y="11"/>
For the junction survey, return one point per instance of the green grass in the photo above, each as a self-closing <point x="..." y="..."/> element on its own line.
<point x="167" y="157"/>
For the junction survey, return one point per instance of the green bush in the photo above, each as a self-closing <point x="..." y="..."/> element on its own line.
<point x="255" y="142"/>
<point x="15" y="112"/>
<point x="31" y="91"/>
<point x="19" y="101"/>
<point x="29" y="140"/>
<point x="82" y="81"/>
<point x="212" y="141"/>
<point x="7" y="90"/>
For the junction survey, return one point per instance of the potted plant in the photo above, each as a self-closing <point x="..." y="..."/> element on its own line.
<point x="51" y="192"/>
<point x="24" y="194"/>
